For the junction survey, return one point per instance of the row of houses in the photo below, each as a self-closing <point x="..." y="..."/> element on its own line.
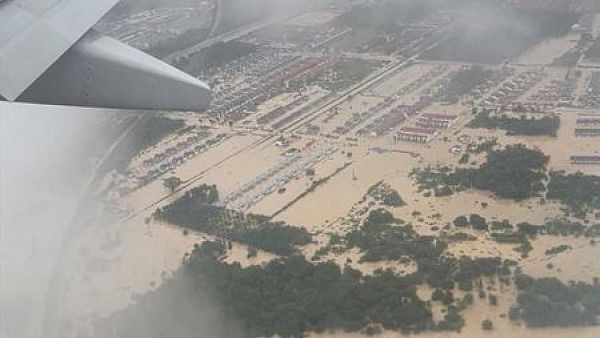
<point x="437" y="121"/>
<point x="585" y="160"/>
<point x="428" y="125"/>
<point x="420" y="135"/>
<point x="588" y="121"/>
<point x="587" y="132"/>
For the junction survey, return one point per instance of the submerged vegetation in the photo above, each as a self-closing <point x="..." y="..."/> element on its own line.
<point x="578" y="191"/>
<point x="383" y="193"/>
<point x="549" y="302"/>
<point x="498" y="175"/>
<point x="197" y="210"/>
<point x="287" y="297"/>
<point x="545" y="126"/>
<point x="296" y="296"/>
<point x="382" y="237"/>
<point x="313" y="82"/>
<point x="463" y="82"/>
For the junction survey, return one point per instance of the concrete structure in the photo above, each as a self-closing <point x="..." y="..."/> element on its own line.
<point x="420" y="135"/>
<point x="435" y="120"/>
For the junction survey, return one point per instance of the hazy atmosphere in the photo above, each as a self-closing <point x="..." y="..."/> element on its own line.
<point x="301" y="168"/>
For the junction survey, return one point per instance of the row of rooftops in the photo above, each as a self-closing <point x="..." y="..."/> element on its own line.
<point x="443" y="117"/>
<point x="587" y="132"/>
<point x="418" y="131"/>
<point x="589" y="159"/>
<point x="588" y="120"/>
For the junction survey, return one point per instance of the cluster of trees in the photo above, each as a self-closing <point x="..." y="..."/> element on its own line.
<point x="289" y="296"/>
<point x="515" y="172"/>
<point x="578" y="191"/>
<point x="456" y="236"/>
<point x="549" y="302"/>
<point x="435" y="180"/>
<point x="558" y="249"/>
<point x="448" y="272"/>
<point x="464" y="81"/>
<point x="383" y="237"/>
<point x="502" y="231"/>
<point x="505" y="233"/>
<point x="476" y="221"/>
<point x="296" y="296"/>
<point x="565" y="227"/>
<point x="482" y="147"/>
<point x="522" y="240"/>
<point x="554" y="227"/>
<point x="453" y="321"/>
<point x="547" y="125"/>
<point x="522" y="233"/>
<point x="382" y="192"/>
<point x="172" y="183"/>
<point x="501" y="225"/>
<point x="197" y="210"/>
<point x="276" y="237"/>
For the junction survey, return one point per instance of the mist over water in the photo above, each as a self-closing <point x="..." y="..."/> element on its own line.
<point x="46" y="159"/>
<point x="44" y="164"/>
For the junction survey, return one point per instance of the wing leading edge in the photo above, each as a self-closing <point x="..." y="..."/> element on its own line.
<point x="48" y="56"/>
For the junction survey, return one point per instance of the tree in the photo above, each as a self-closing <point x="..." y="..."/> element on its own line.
<point x="252" y="252"/>
<point x="514" y="313"/>
<point x="468" y="299"/>
<point x="392" y="198"/>
<point x="197" y="210"/>
<point x="478" y="222"/>
<point x="487" y="325"/>
<point x="465" y="285"/>
<point x="453" y="321"/>
<point x="446" y="297"/>
<point x="172" y="183"/>
<point x="461" y="221"/>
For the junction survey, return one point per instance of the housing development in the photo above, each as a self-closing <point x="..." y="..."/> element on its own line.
<point x="419" y="168"/>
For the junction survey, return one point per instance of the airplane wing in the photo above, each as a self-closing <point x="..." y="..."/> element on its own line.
<point x="49" y="55"/>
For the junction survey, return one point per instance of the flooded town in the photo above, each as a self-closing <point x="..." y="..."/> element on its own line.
<point x="366" y="168"/>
